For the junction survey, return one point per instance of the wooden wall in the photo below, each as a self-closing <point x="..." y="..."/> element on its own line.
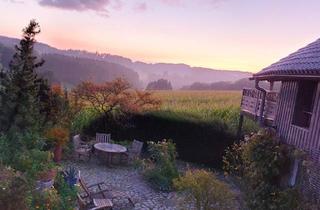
<point x="302" y="138"/>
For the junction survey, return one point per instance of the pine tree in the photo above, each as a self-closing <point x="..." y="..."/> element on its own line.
<point x="19" y="97"/>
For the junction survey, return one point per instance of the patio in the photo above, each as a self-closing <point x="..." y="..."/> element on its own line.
<point x="128" y="180"/>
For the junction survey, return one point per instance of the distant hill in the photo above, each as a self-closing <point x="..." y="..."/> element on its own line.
<point x="178" y="74"/>
<point x="237" y="85"/>
<point x="70" y="71"/>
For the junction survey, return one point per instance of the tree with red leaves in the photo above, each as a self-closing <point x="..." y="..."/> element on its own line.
<point x="115" y="97"/>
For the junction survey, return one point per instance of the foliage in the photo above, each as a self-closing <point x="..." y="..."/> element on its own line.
<point x="48" y="199"/>
<point x="20" y="93"/>
<point x="233" y="161"/>
<point x="205" y="190"/>
<point x="141" y="164"/>
<point x="13" y="145"/>
<point x="58" y="134"/>
<point x="26" y="107"/>
<point x="68" y="195"/>
<point x="61" y="196"/>
<point x="115" y="96"/>
<point x="71" y="172"/>
<point x="125" y="143"/>
<point x="161" y="84"/>
<point x="83" y="119"/>
<point x="36" y="163"/>
<point x="163" y="169"/>
<point x="262" y="163"/>
<point x="161" y="151"/>
<point x="209" y="118"/>
<point x="63" y="107"/>
<point x="13" y="190"/>
<point x="211" y="138"/>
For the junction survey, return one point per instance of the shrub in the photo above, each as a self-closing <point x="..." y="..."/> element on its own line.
<point x="36" y="163"/>
<point x="189" y="135"/>
<point x="262" y="163"/>
<point x="13" y="190"/>
<point x="58" y="135"/>
<point x="67" y="194"/>
<point x="12" y="144"/>
<point x="163" y="169"/>
<point x="47" y="199"/>
<point x="83" y="119"/>
<point x="205" y="191"/>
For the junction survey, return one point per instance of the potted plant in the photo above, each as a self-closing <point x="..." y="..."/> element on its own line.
<point x="70" y="176"/>
<point x="42" y="168"/>
<point x="60" y="137"/>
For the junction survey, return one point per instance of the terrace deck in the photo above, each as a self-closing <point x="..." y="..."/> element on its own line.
<point x="251" y="104"/>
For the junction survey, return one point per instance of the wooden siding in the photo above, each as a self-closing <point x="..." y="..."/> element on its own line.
<point x="303" y="138"/>
<point x="307" y="139"/>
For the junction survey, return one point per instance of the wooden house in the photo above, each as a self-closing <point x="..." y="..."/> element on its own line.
<point x="294" y="111"/>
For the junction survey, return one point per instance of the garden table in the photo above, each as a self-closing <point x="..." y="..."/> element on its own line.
<point x="109" y="150"/>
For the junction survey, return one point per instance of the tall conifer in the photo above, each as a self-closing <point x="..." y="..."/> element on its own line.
<point x="19" y="98"/>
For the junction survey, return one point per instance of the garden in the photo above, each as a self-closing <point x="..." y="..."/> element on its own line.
<point x="111" y="146"/>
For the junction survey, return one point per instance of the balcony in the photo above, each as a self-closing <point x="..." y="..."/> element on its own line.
<point x="251" y="104"/>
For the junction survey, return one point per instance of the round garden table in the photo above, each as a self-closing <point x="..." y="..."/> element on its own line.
<point x="109" y="150"/>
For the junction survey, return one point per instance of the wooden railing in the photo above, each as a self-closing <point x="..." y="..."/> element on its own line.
<point x="251" y="103"/>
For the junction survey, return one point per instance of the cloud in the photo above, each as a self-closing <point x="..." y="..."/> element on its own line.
<point x="99" y="6"/>
<point x="215" y="2"/>
<point x="16" y="1"/>
<point x="172" y="2"/>
<point x="141" y="7"/>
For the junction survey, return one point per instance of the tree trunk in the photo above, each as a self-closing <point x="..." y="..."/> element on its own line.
<point x="57" y="153"/>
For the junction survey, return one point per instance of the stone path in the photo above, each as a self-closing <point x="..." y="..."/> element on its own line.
<point x="129" y="181"/>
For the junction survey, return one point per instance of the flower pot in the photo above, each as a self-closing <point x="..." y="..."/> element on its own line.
<point x="57" y="153"/>
<point x="43" y="185"/>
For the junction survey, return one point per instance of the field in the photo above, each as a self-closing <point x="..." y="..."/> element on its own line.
<point x="199" y="103"/>
<point x="202" y="100"/>
<point x="205" y="106"/>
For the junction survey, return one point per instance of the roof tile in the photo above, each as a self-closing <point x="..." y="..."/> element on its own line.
<point x="305" y="61"/>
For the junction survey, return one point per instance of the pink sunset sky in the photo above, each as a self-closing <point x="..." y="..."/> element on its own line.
<point x="223" y="34"/>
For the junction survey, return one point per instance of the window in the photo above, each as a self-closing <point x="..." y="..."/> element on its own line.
<point x="304" y="103"/>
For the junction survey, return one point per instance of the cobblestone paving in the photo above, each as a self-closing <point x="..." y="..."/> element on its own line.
<point x="129" y="181"/>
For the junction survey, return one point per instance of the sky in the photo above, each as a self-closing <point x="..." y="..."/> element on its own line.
<point x="242" y="35"/>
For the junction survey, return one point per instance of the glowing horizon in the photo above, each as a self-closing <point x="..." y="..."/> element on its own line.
<point x="219" y="34"/>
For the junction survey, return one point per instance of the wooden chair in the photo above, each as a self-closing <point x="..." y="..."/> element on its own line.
<point x="134" y="151"/>
<point x="81" y="148"/>
<point x="102" y="191"/>
<point x="95" y="204"/>
<point x="103" y="138"/>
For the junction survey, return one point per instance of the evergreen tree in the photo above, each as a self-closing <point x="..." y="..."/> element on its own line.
<point x="20" y="96"/>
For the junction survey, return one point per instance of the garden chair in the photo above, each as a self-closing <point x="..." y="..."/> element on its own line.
<point x="95" y="204"/>
<point x="134" y="151"/>
<point x="81" y="148"/>
<point x="102" y="191"/>
<point x="103" y="138"/>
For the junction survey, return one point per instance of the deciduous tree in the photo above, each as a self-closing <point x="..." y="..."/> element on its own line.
<point x="115" y="96"/>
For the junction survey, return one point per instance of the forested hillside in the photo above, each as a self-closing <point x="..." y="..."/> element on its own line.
<point x="70" y="71"/>
<point x="178" y="74"/>
<point x="237" y="85"/>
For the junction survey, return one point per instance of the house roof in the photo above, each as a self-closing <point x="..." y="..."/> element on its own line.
<point x="304" y="63"/>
